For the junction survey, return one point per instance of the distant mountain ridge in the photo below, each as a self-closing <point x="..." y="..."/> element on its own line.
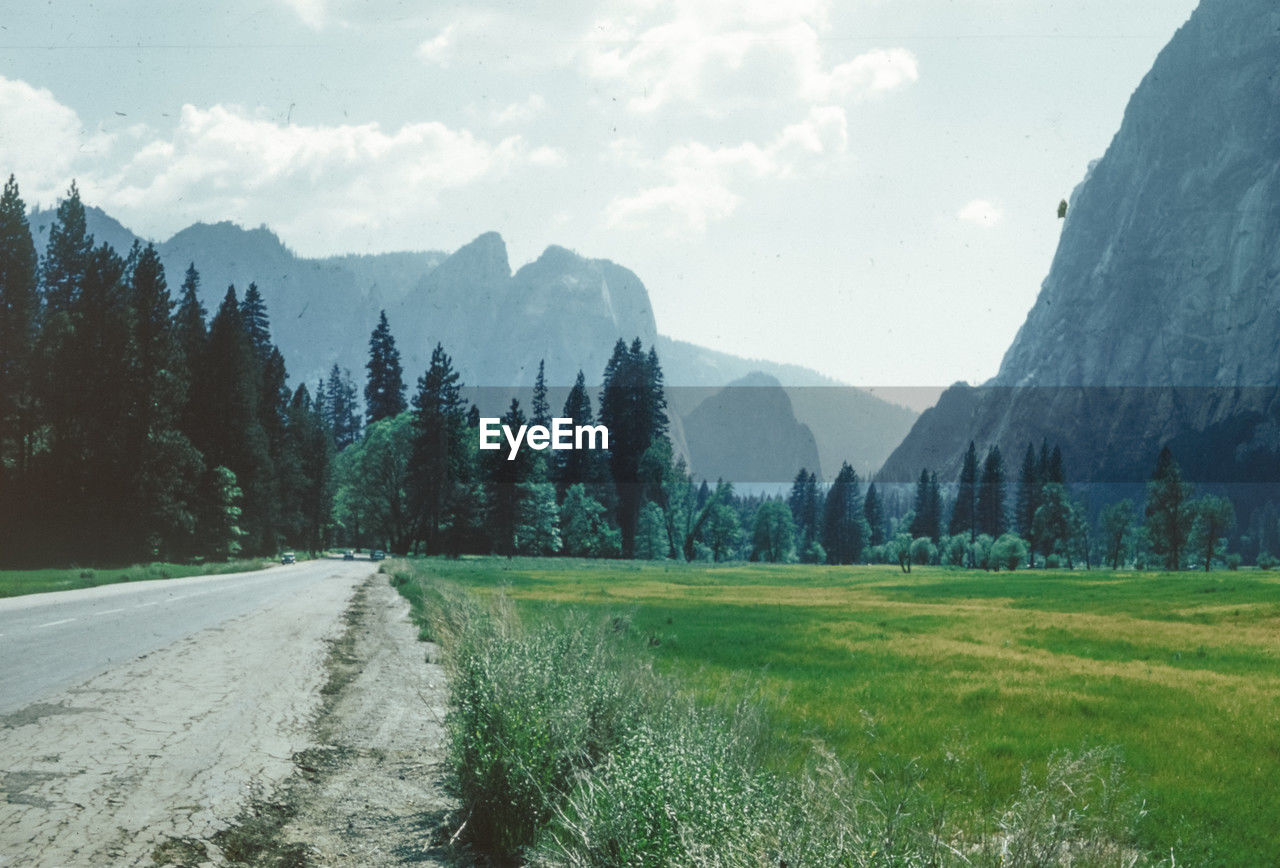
<point x="563" y="309"/>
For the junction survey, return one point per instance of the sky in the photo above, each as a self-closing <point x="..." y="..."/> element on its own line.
<point x="866" y="188"/>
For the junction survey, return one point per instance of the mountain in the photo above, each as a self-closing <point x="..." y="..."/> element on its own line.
<point x="748" y="432"/>
<point x="1159" y="321"/>
<point x="562" y="308"/>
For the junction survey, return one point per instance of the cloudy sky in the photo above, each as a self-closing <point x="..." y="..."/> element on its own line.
<point x="868" y="188"/>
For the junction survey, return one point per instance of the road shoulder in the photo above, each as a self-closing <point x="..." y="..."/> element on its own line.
<point x="369" y="791"/>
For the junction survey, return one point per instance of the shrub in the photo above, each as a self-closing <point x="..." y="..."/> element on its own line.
<point x="956" y="550"/>
<point x="982" y="552"/>
<point x="1008" y="552"/>
<point x="1267" y="561"/>
<point x="923" y="551"/>
<point x="1234" y="561"/>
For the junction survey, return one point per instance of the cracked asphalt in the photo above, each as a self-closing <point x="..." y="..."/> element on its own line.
<point x="138" y="713"/>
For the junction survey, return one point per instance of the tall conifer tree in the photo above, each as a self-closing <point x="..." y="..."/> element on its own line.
<point x="990" y="506"/>
<point x="844" y="528"/>
<point x="19" y="309"/>
<point x="540" y="410"/>
<point x="964" y="516"/>
<point x="633" y="408"/>
<point x="384" y="392"/>
<point x="440" y="455"/>
<point x="165" y="467"/>
<point x="873" y="509"/>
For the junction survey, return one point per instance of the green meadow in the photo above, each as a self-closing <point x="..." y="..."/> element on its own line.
<point x="961" y="679"/>
<point x="15" y="583"/>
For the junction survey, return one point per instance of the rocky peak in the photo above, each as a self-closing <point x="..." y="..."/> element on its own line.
<point x="1159" y="320"/>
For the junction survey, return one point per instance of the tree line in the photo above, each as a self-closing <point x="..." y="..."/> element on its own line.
<point x="1046" y="524"/>
<point x="133" y="426"/>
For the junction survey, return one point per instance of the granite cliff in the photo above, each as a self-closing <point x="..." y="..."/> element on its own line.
<point x="1159" y="321"/>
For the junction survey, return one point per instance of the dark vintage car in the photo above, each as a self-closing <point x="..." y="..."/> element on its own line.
<point x="348" y="555"/>
<point x="377" y="555"/>
<point x="288" y="558"/>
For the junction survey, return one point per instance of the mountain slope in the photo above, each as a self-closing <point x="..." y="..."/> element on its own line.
<point x="497" y="325"/>
<point x="1159" y="321"/>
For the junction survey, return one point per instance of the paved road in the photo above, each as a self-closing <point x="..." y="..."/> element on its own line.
<point x="52" y="641"/>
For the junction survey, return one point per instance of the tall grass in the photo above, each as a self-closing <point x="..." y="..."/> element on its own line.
<point x="567" y="749"/>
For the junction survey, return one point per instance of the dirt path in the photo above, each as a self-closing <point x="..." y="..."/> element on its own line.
<point x="294" y="735"/>
<point x="370" y="793"/>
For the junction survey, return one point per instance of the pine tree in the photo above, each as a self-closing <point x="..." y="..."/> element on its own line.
<point x="805" y="510"/>
<point x="1168" y="511"/>
<point x="990" y="505"/>
<point x="19" y="309"/>
<point x="189" y="318"/>
<point x="66" y="258"/>
<point x="1055" y="470"/>
<point x="928" y="507"/>
<point x="572" y="467"/>
<point x="540" y="411"/>
<point x="633" y="408"/>
<point x="384" y="393"/>
<point x="964" y="518"/>
<point x="165" y="468"/>
<point x="60" y="386"/>
<point x="313" y="488"/>
<point x="227" y="402"/>
<point x="1029" y="483"/>
<point x="506" y="476"/>
<point x="773" y="533"/>
<point x="275" y="398"/>
<point x="1055" y="521"/>
<point x="440" y="455"/>
<point x="537" y="529"/>
<point x="844" y="527"/>
<point x="253" y="314"/>
<point x="873" y="510"/>
<point x="340" y="405"/>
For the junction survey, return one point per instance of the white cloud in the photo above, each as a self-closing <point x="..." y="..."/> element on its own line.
<point x="319" y="186"/>
<point x="40" y="139"/>
<point x="439" y="48"/>
<point x="519" y="112"/>
<point x="875" y="72"/>
<point x="312" y="183"/>
<point x="982" y="213"/>
<point x="699" y="181"/>
<point x="718" y="53"/>
<point x="312" y="12"/>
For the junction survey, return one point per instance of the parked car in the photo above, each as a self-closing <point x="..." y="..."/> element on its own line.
<point x="288" y="558"/>
<point x="348" y="555"/>
<point x="377" y="555"/>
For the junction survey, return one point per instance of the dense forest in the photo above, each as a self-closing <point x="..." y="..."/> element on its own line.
<point x="136" y="426"/>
